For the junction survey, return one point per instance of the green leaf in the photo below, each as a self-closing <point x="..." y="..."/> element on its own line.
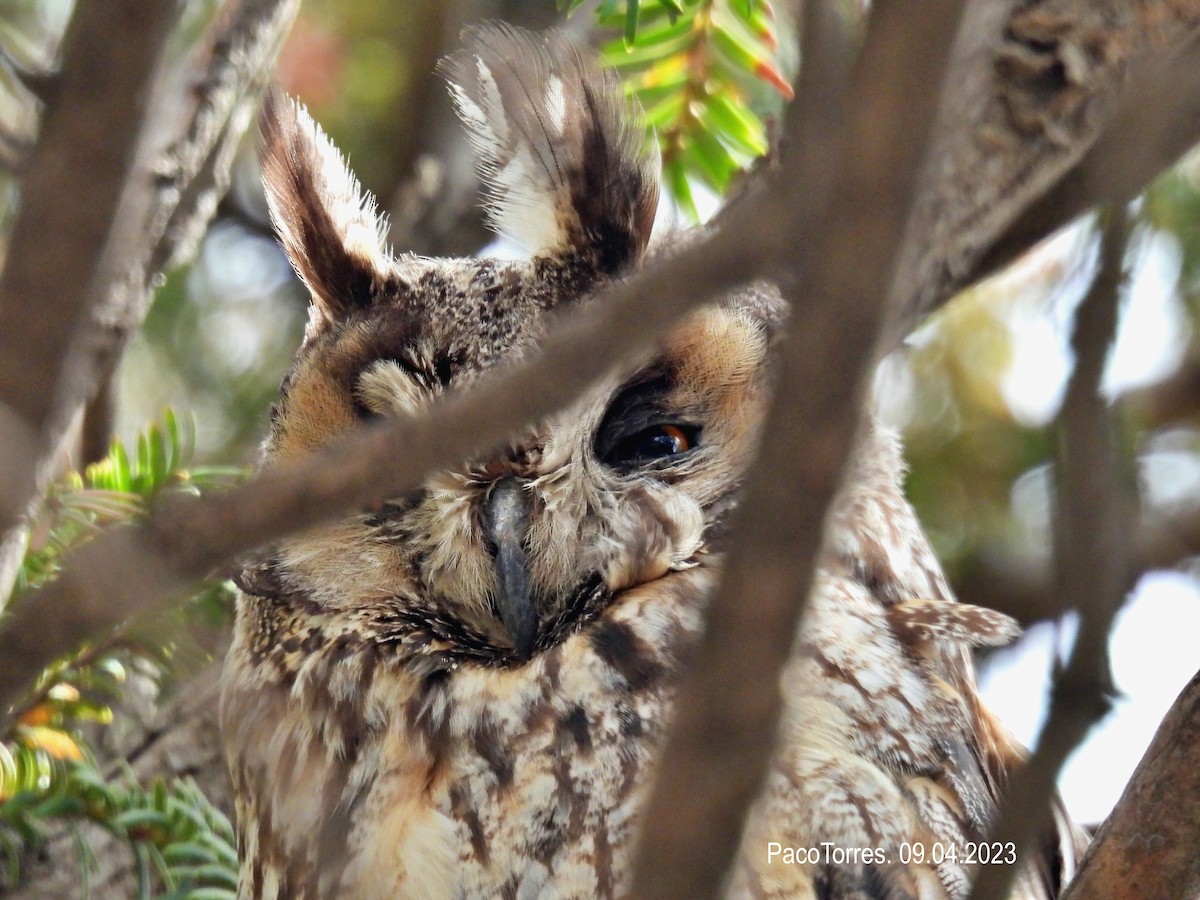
<point x="193" y="852"/>
<point x="663" y="114"/>
<point x="141" y="818"/>
<point x="8" y="771"/>
<point x="655" y="33"/>
<point x="159" y="457"/>
<point x="141" y="855"/>
<point x="121" y="474"/>
<point x="60" y="805"/>
<point x="631" y="21"/>
<point x="625" y="57"/>
<point x="681" y="189"/>
<point x="160" y="865"/>
<point x="673" y="7"/>
<point x="712" y="160"/>
<point x="186" y="814"/>
<point x="211" y="874"/>
<point x="735" y="123"/>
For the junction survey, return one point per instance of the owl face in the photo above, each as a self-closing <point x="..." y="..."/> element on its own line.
<point x="523" y="545"/>
<point x="514" y="550"/>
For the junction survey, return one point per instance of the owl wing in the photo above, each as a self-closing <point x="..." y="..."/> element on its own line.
<point x="889" y="766"/>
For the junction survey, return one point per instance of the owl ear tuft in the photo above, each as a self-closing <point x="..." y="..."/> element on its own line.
<point x="328" y="226"/>
<point x="560" y="150"/>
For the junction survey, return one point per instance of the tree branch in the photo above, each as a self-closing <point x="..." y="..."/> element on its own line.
<point x="1147" y="846"/>
<point x="1024" y="588"/>
<point x="71" y="191"/>
<point x="1091" y="560"/>
<point x="1036" y="85"/>
<point x="160" y="203"/>
<point x="1132" y="149"/>
<point x="728" y="706"/>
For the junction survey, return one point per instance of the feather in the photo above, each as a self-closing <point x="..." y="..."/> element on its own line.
<point x="561" y="154"/>
<point x="329" y="227"/>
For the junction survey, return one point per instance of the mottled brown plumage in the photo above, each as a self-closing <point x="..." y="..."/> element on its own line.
<point x="462" y="694"/>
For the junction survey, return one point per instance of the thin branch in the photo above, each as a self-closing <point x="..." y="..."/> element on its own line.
<point x="1147" y="846"/>
<point x="1168" y="402"/>
<point x="1024" y="587"/>
<point x="1094" y="508"/>
<point x="728" y="706"/>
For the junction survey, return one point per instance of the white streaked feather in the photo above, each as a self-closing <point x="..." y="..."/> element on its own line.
<point x="363" y="227"/>
<point x="559" y="150"/>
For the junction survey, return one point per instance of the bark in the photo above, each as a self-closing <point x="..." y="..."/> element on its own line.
<point x="864" y="175"/>
<point x="86" y="259"/>
<point x="61" y="245"/>
<point x="1033" y="87"/>
<point x="1147" y="847"/>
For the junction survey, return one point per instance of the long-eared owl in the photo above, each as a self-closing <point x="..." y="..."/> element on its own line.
<point x="462" y="693"/>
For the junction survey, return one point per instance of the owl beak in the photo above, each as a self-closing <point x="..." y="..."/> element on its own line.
<point x="507" y="522"/>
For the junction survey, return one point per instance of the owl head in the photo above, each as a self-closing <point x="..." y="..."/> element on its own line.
<point x="501" y="556"/>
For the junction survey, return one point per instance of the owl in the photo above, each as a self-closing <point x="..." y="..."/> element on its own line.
<point x="462" y="693"/>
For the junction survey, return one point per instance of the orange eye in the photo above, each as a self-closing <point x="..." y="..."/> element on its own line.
<point x="655" y="443"/>
<point x="676" y="437"/>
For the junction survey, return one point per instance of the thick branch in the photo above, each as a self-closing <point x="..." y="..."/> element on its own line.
<point x="71" y="191"/>
<point x="70" y="194"/>
<point x="1147" y="846"/>
<point x="1036" y="83"/>
<point x="157" y="206"/>
<point x="1132" y="150"/>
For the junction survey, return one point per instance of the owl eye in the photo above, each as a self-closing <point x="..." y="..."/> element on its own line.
<point x="658" y="442"/>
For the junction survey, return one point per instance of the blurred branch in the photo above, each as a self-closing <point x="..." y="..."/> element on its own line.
<point x="863" y="173"/>
<point x="1175" y="398"/>
<point x="1025" y="590"/>
<point x="1094" y="509"/>
<point x="60" y="250"/>
<point x="1147" y="846"/>
<point x="157" y="207"/>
